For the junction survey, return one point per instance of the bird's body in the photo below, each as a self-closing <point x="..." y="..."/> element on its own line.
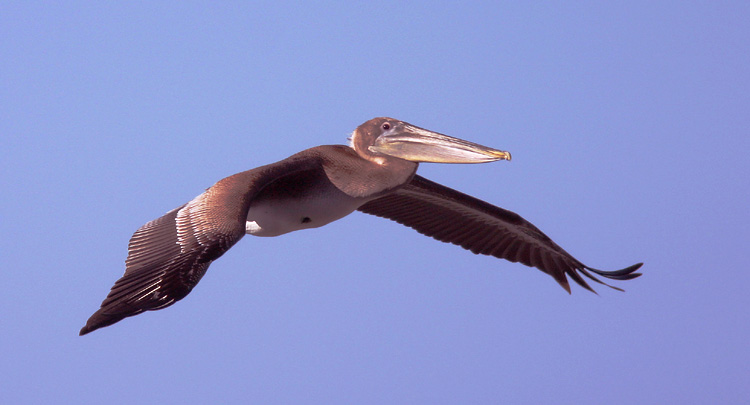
<point x="310" y="198"/>
<point x="376" y="175"/>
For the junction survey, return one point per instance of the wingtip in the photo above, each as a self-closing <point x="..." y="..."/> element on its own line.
<point x="634" y="268"/>
<point x="89" y="327"/>
<point x="564" y="284"/>
<point x="98" y="320"/>
<point x="627" y="273"/>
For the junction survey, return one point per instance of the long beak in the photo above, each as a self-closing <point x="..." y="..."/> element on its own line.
<point x="420" y="145"/>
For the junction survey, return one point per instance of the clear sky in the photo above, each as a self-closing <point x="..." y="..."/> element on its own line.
<point x="629" y="126"/>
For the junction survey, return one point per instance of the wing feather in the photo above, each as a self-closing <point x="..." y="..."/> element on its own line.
<point x="453" y="217"/>
<point x="168" y="256"/>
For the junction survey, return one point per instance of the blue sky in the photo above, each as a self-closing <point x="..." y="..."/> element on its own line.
<point x="628" y="124"/>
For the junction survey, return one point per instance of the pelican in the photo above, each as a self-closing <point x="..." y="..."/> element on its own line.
<point x="375" y="174"/>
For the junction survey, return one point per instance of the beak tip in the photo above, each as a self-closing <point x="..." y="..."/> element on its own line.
<point x="502" y="155"/>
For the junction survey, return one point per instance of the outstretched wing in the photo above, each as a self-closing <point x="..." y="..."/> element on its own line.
<point x="169" y="255"/>
<point x="451" y="216"/>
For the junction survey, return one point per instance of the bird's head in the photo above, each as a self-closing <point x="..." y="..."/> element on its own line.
<point x="382" y="138"/>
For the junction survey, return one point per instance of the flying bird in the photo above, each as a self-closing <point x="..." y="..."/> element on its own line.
<point x="375" y="174"/>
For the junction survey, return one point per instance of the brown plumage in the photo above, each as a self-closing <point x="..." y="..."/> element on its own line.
<point x="451" y="216"/>
<point x="168" y="256"/>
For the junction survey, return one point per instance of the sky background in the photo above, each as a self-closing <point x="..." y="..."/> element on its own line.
<point x="629" y="128"/>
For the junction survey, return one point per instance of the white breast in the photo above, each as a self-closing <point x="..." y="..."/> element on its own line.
<point x="273" y="217"/>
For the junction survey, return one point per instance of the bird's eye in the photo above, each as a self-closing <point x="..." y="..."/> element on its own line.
<point x="386" y="126"/>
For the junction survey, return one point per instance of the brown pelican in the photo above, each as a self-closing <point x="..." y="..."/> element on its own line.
<point x="375" y="175"/>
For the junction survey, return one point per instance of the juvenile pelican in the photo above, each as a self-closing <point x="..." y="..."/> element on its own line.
<point x="376" y="175"/>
